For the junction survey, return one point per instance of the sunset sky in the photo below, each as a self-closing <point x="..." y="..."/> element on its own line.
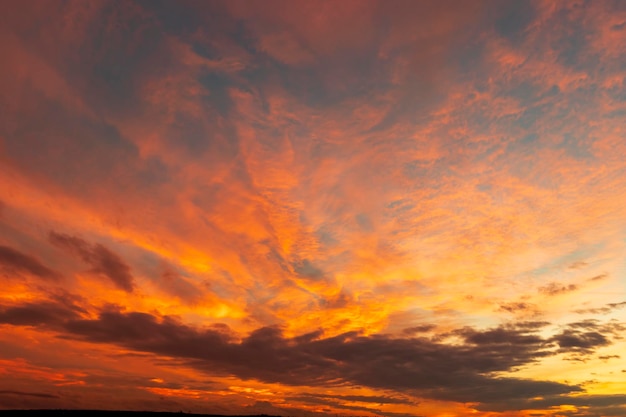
<point x="394" y="208"/>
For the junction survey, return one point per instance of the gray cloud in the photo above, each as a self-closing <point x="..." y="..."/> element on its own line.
<point x="578" y="265"/>
<point x="174" y="283"/>
<point x="602" y="310"/>
<point x="554" y="288"/>
<point x="598" y="277"/>
<point x="377" y="399"/>
<point x="28" y="394"/>
<point x="600" y="403"/>
<point x="307" y="270"/>
<point x="419" y="329"/>
<point x="13" y="261"/>
<point x="335" y="402"/>
<point x="584" y="337"/>
<point x="436" y="370"/>
<point x="102" y="260"/>
<point x="599" y="310"/>
<point x="516" y="307"/>
<point x="427" y="366"/>
<point x="51" y="313"/>
<point x="340" y="300"/>
<point x="607" y="357"/>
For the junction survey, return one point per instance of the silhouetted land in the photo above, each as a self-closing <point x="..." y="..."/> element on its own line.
<point x="102" y="413"/>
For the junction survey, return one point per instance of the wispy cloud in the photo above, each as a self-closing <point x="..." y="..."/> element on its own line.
<point x="13" y="261"/>
<point x="101" y="259"/>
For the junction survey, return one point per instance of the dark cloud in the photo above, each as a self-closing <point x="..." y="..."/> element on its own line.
<point x="341" y="300"/>
<point x="591" y="324"/>
<point x="607" y="357"/>
<point x="266" y="408"/>
<point x="598" y="277"/>
<point x="419" y="329"/>
<point x="306" y="269"/>
<point x="101" y="259"/>
<point x="430" y="367"/>
<point x="578" y="265"/>
<point x="599" y="310"/>
<point x="602" y="310"/>
<point x="176" y="284"/>
<point x="377" y="399"/>
<point x="584" y="337"/>
<point x="51" y="313"/>
<point x="580" y="341"/>
<point x="544" y="402"/>
<point x="15" y="262"/>
<point x="522" y="333"/>
<point x="516" y="307"/>
<point x="328" y="400"/>
<point x="28" y="394"/>
<point x="554" y="288"/>
<point x="511" y="21"/>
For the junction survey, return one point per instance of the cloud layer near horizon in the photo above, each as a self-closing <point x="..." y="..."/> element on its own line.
<point x="405" y="208"/>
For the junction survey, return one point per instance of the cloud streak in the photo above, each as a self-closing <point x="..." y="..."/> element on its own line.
<point x="16" y="262"/>
<point x="102" y="260"/>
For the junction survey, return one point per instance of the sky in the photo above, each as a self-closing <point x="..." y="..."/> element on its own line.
<point x="307" y="208"/>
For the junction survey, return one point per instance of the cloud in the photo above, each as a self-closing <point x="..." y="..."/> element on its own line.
<point x="378" y="399"/>
<point x="598" y="277"/>
<point x="29" y="394"/>
<point x="437" y="370"/>
<point x="101" y="259"/>
<point x="570" y="340"/>
<point x="598" y="402"/>
<point x="306" y="269"/>
<point x="584" y="337"/>
<point x="423" y="328"/>
<point x="453" y="372"/>
<point x="602" y="310"/>
<point x="178" y="285"/>
<point x="328" y="400"/>
<point x="607" y="357"/>
<point x="578" y="265"/>
<point x="49" y="313"/>
<point x="521" y="332"/>
<point x="554" y="288"/>
<point x="517" y="307"/>
<point x="14" y="262"/>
